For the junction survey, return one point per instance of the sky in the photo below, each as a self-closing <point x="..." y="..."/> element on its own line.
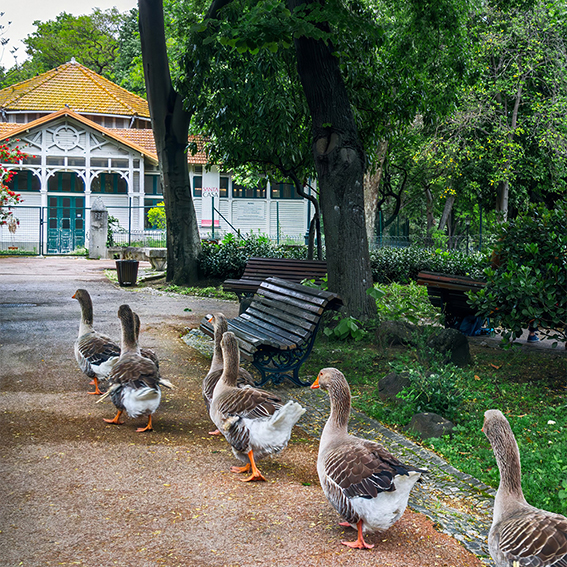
<point x="22" y="14"/>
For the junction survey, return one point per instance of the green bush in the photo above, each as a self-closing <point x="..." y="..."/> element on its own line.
<point x="156" y="216"/>
<point x="435" y="392"/>
<point x="227" y="259"/>
<point x="528" y="282"/>
<point x="402" y="265"/>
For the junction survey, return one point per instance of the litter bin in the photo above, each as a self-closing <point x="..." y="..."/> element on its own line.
<point x="127" y="271"/>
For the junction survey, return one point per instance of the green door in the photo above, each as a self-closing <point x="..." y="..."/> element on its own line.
<point x="66" y="224"/>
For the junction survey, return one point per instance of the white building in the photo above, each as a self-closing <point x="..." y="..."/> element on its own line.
<point x="86" y="138"/>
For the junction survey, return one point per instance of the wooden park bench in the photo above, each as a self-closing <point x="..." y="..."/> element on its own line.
<point x="258" y="269"/>
<point x="448" y="292"/>
<point x="277" y="331"/>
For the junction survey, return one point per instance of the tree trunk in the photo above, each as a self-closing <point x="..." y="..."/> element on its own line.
<point x="429" y="213"/>
<point x="340" y="163"/>
<point x="170" y="124"/>
<point x="446" y="212"/>
<point x="371" y="187"/>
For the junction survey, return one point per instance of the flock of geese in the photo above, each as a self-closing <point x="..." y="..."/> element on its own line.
<point x="368" y="486"/>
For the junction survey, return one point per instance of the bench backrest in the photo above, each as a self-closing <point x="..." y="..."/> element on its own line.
<point x="286" y="268"/>
<point x="448" y="281"/>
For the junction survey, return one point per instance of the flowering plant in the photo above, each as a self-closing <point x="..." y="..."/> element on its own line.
<point x="8" y="198"/>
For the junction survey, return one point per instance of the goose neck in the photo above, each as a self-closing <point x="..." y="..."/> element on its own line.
<point x="231" y="363"/>
<point x="86" y="324"/>
<point x="339" y="395"/>
<point x="128" y="341"/>
<point x="507" y="457"/>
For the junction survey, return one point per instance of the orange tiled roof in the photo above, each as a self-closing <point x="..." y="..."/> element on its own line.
<point x="145" y="139"/>
<point x="9" y="130"/>
<point x="6" y="129"/>
<point x="76" y="86"/>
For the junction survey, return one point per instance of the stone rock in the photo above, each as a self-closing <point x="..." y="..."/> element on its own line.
<point x="397" y="333"/>
<point x="392" y="384"/>
<point x="453" y="345"/>
<point x="430" y="425"/>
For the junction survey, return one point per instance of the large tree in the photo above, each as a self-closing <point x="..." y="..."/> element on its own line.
<point x="170" y="124"/>
<point x="340" y="164"/>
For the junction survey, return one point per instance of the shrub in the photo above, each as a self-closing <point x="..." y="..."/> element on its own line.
<point x="227" y="259"/>
<point x="528" y="282"/>
<point x="402" y="265"/>
<point x="156" y="216"/>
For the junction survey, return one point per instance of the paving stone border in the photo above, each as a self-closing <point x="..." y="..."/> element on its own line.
<point x="459" y="504"/>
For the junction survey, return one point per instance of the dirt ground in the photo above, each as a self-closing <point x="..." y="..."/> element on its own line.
<point x="78" y="491"/>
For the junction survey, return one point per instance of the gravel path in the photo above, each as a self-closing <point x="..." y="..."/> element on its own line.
<point x="78" y="491"/>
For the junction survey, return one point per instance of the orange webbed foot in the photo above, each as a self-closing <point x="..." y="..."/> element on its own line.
<point x="256" y="474"/>
<point x="116" y="420"/>
<point x="255" y="477"/>
<point x="359" y="543"/>
<point x="147" y="428"/>
<point x="245" y="468"/>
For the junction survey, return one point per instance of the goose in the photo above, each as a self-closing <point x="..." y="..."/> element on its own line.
<point x="96" y="354"/>
<point x="366" y="485"/>
<point x="520" y="535"/>
<point x="220" y="326"/>
<point x="256" y="423"/>
<point x="134" y="380"/>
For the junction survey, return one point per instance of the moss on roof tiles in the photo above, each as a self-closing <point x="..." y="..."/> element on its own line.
<point x="76" y="86"/>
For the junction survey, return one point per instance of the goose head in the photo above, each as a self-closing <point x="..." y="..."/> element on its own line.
<point x="334" y="382"/>
<point x="219" y="322"/>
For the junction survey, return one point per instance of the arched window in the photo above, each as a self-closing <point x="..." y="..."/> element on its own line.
<point x="65" y="182"/>
<point x="24" y="181"/>
<point x="109" y="183"/>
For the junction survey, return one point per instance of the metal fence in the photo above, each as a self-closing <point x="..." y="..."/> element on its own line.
<point x="28" y="234"/>
<point x="33" y="234"/>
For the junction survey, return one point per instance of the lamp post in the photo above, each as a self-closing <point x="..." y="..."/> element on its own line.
<point x="468" y="224"/>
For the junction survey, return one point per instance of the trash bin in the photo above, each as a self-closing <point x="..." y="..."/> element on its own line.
<point x="127" y="271"/>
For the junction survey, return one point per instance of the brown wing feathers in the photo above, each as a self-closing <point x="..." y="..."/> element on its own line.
<point x="364" y="470"/>
<point x="538" y="543"/>
<point x="249" y="402"/>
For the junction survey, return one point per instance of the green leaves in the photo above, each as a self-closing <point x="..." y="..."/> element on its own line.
<point x="529" y="286"/>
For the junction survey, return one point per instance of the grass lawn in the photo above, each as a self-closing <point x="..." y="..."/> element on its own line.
<point x="528" y="388"/>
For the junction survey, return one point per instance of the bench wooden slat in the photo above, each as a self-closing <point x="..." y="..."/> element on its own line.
<point x="259" y="269"/>
<point x="291" y="312"/>
<point x="285" y="319"/>
<point x="291" y="332"/>
<point x="260" y="335"/>
<point x="292" y="302"/>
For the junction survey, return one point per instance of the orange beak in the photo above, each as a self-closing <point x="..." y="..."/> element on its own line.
<point x="315" y="384"/>
<point x="210" y="318"/>
<point x="73" y="297"/>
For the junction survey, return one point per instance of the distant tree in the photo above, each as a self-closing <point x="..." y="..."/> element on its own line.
<point x="128" y="69"/>
<point x="92" y="39"/>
